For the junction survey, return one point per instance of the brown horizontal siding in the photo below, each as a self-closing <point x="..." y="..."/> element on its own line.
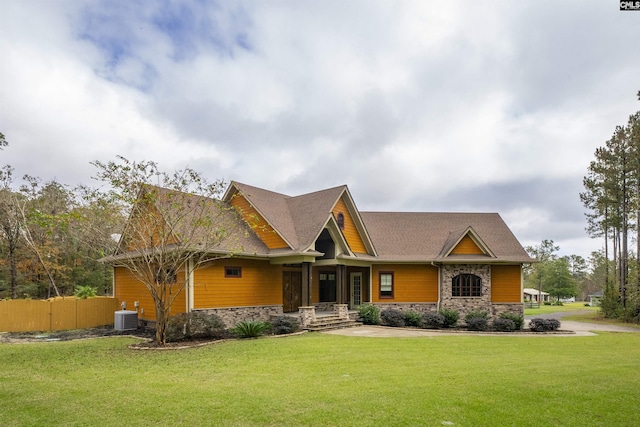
<point x="411" y="283"/>
<point x="350" y="231"/>
<point x="260" y="284"/>
<point x="265" y="232"/>
<point x="506" y="283"/>
<point x="467" y="246"/>
<point x="129" y="289"/>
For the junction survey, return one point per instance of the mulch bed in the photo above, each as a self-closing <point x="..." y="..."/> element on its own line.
<point x="146" y="335"/>
<point x="76" y="334"/>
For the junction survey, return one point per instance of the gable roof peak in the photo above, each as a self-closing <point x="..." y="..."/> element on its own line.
<point x="456" y="236"/>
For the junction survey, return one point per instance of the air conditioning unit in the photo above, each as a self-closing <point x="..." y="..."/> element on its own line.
<point x="125" y="320"/>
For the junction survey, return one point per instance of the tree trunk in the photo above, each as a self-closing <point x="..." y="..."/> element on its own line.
<point x="13" y="270"/>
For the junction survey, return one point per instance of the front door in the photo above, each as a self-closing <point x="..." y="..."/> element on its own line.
<point x="356" y="290"/>
<point x="291" y="291"/>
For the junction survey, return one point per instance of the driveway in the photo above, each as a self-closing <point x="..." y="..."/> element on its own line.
<point x="582" y="328"/>
<point x="568" y="328"/>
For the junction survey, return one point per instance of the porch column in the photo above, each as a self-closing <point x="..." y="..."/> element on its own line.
<point x="306" y="284"/>
<point x="341" y="281"/>
<point x="307" y="315"/>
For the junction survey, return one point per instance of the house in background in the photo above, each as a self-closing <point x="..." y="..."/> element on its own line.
<point x="317" y="252"/>
<point x="594" y="299"/>
<point x="533" y="295"/>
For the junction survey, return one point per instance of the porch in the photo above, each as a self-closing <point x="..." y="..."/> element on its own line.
<point x="312" y="319"/>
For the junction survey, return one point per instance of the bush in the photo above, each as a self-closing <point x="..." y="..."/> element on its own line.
<point x="610" y="304"/>
<point x="431" y="320"/>
<point x="197" y="324"/>
<point x="547" y="303"/>
<point x="476" y="314"/>
<point x="450" y="317"/>
<point x="412" y="318"/>
<point x="517" y="319"/>
<point x="285" y="325"/>
<point x="554" y="324"/>
<point x="392" y="317"/>
<point x="542" y="325"/>
<point x="250" y="328"/>
<point x="502" y="324"/>
<point x="369" y="314"/>
<point x="477" y="324"/>
<point x="84" y="292"/>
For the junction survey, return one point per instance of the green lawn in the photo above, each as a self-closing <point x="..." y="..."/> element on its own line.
<point x="316" y="379"/>
<point x="545" y="309"/>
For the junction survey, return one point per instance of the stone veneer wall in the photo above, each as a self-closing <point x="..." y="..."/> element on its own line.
<point x="233" y="315"/>
<point x="324" y="306"/>
<point x="515" y="308"/>
<point x="409" y="306"/>
<point x="464" y="305"/>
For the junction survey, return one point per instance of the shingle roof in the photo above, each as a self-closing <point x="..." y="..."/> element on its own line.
<point x="300" y="219"/>
<point x="415" y="236"/>
<point x="237" y="235"/>
<point x="396" y="236"/>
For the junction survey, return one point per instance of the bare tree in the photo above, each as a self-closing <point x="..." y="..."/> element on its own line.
<point x="10" y="223"/>
<point x="177" y="224"/>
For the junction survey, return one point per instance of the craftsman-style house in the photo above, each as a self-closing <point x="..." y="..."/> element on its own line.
<point x="317" y="252"/>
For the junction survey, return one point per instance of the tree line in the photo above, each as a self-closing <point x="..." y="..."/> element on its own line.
<point x="612" y="199"/>
<point x="51" y="237"/>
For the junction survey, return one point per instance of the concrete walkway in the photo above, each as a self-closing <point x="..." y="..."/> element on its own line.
<point x="568" y="329"/>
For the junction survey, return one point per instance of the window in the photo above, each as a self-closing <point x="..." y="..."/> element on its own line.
<point x="235" y="272"/>
<point x="166" y="276"/>
<point x="386" y="285"/>
<point x="466" y="285"/>
<point x="327" y="286"/>
<point x="341" y="220"/>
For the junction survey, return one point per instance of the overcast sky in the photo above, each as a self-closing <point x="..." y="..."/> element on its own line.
<point x="481" y="106"/>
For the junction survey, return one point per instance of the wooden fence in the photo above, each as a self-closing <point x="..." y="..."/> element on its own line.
<point x="56" y="314"/>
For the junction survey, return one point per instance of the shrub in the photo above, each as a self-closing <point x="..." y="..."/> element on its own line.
<point x="285" y="325"/>
<point x="412" y="318"/>
<point x="477" y="324"/>
<point x="542" y="325"/>
<point x="196" y="324"/>
<point x="84" y="292"/>
<point x="431" y="320"/>
<point x="610" y="304"/>
<point x="476" y="314"/>
<point x="547" y="303"/>
<point x="392" y="317"/>
<point x="250" y="328"/>
<point x="502" y="324"/>
<point x="554" y="324"/>
<point x="369" y="314"/>
<point x="450" y="317"/>
<point x="517" y="319"/>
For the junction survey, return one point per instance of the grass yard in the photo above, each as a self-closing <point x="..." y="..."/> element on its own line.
<point x="546" y="309"/>
<point x="317" y="380"/>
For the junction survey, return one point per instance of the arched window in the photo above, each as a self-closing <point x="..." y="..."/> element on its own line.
<point x="341" y="221"/>
<point x="466" y="285"/>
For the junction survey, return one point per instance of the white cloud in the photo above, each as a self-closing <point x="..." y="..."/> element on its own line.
<point x="414" y="105"/>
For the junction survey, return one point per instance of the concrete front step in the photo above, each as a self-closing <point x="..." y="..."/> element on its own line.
<point x="326" y="324"/>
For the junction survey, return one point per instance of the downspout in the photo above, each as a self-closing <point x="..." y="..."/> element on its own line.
<point x="190" y="291"/>
<point x="113" y="282"/>
<point x="371" y="284"/>
<point x="439" y="286"/>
